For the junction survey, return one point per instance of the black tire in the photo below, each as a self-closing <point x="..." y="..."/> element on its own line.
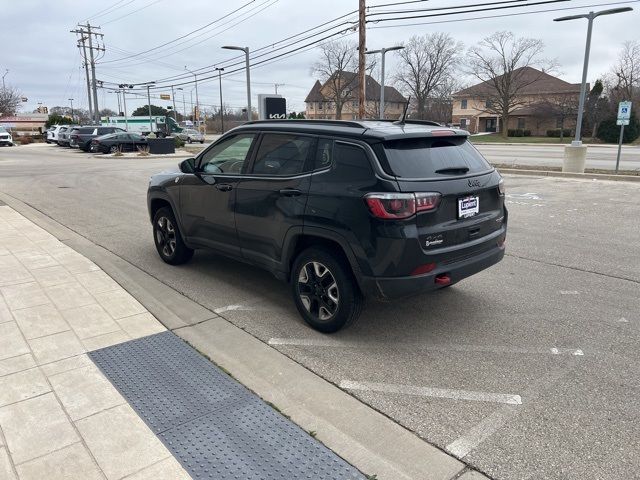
<point x="189" y="140"/>
<point x="114" y="149"/>
<point x="314" y="297"/>
<point x="168" y="239"/>
<point x="201" y="141"/>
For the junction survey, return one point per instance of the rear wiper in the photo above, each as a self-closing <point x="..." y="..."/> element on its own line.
<point x="454" y="170"/>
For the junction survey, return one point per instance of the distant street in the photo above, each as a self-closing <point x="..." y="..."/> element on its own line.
<point x="544" y="342"/>
<point x="551" y="155"/>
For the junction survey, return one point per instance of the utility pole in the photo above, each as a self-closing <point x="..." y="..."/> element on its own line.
<point x="86" y="34"/>
<point x="362" y="49"/>
<point x="86" y="72"/>
<point x="220" y="70"/>
<point x="278" y="85"/>
<point x="173" y="97"/>
<point x="71" y="100"/>
<point x="6" y="71"/>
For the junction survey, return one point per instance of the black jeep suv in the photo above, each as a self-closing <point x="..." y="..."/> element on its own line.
<point x="343" y="210"/>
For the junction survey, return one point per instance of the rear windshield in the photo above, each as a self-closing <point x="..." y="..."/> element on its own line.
<point x="433" y="157"/>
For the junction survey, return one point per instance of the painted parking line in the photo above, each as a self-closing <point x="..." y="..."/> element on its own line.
<point x="229" y="308"/>
<point x="441" y="347"/>
<point x="506" y="398"/>
<point x="479" y="433"/>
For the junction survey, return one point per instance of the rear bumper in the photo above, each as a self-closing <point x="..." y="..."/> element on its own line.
<point x="389" y="288"/>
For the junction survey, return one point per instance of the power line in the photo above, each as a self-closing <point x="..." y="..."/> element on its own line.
<point x="100" y="13"/>
<point x="394" y="19"/>
<point x="511" y="14"/>
<point x="416" y="10"/>
<point x="185" y="35"/>
<point x="132" y="12"/>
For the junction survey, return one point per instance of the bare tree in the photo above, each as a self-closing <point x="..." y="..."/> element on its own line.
<point x="336" y="59"/>
<point x="10" y="100"/>
<point x="506" y="66"/>
<point x="627" y="70"/>
<point x="427" y="64"/>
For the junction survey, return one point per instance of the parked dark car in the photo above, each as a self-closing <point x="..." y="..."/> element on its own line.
<point x="121" y="141"/>
<point x="341" y="210"/>
<point x="81" y="137"/>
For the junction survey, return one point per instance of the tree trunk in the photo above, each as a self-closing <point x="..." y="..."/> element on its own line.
<point x="505" y="125"/>
<point x="338" y="111"/>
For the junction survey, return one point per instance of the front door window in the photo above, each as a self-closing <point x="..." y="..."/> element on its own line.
<point x="227" y="157"/>
<point x="490" y="125"/>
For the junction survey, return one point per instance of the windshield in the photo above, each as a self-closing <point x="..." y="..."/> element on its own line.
<point x="3" y="130"/>
<point x="433" y="157"/>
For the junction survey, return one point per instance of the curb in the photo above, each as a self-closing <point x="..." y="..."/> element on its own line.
<point x="364" y="437"/>
<point x="553" y="173"/>
<point x="598" y="145"/>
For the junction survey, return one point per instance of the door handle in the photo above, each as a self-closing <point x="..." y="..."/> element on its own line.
<point x="223" y="187"/>
<point x="290" y="192"/>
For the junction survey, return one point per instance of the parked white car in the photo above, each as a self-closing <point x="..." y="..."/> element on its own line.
<point x="52" y="134"/>
<point x="5" y="137"/>
<point x="190" y="135"/>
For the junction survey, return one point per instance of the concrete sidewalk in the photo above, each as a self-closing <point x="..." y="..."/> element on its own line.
<point x="60" y="418"/>
<point x="92" y="386"/>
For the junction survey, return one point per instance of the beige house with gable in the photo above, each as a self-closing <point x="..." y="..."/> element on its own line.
<point x="472" y="106"/>
<point x="320" y="102"/>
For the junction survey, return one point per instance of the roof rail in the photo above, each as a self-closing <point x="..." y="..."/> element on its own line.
<point x="415" y="122"/>
<point x="340" y="123"/>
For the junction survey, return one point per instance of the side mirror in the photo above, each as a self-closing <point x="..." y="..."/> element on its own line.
<point x="188" y="165"/>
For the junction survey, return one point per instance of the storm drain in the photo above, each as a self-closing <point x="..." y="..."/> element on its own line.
<point x="214" y="426"/>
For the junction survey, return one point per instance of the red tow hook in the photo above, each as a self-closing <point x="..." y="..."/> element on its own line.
<point x="443" y="279"/>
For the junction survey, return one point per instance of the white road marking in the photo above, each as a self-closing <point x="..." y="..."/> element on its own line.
<point x="507" y="398"/>
<point x="232" y="307"/>
<point x="623" y="320"/>
<point x="569" y="292"/>
<point x="528" y="196"/>
<point x="567" y="351"/>
<point x="331" y="343"/>
<point x="483" y="430"/>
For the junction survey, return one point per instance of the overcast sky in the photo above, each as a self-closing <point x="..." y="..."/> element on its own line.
<point x="44" y="62"/>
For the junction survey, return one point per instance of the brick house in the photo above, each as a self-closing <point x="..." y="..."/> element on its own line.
<point x="320" y="102"/>
<point x="546" y="103"/>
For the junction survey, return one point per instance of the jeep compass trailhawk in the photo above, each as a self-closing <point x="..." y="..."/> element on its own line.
<point x="342" y="210"/>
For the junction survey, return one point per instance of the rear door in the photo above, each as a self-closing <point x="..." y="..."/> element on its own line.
<point x="271" y="199"/>
<point x="470" y="207"/>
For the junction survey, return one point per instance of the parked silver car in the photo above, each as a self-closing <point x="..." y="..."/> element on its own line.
<point x="190" y="135"/>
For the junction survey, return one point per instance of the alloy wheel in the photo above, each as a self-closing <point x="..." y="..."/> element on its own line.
<point x="318" y="290"/>
<point x="166" y="236"/>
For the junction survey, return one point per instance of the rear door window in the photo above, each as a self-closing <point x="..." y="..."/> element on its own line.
<point x="283" y="154"/>
<point x="433" y="157"/>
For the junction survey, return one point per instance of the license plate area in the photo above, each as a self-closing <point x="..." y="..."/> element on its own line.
<point x="468" y="206"/>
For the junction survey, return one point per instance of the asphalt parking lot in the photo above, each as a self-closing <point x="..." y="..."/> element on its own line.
<point x="526" y="371"/>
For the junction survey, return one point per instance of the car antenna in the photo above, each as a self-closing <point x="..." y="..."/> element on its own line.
<point x="404" y="112"/>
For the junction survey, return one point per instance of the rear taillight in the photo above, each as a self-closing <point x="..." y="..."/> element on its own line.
<point x="501" y="188"/>
<point x="390" y="206"/>
<point x="422" y="269"/>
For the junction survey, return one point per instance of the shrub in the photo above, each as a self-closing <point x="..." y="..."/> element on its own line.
<point x="527" y="133"/>
<point x="516" y="132"/>
<point x="609" y="131"/>
<point x="25" y="139"/>
<point x="178" y="142"/>
<point x="556" y="133"/>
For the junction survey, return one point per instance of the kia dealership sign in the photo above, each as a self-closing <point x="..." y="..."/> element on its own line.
<point x="272" y="107"/>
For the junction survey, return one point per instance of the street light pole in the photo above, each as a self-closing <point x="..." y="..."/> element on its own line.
<point x="124" y="86"/>
<point x="220" y="70"/>
<point x="71" y="100"/>
<point x="148" y="85"/>
<point x="246" y="53"/>
<point x="197" y="100"/>
<point x="383" y="51"/>
<point x="591" y="16"/>
<point x="173" y="97"/>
